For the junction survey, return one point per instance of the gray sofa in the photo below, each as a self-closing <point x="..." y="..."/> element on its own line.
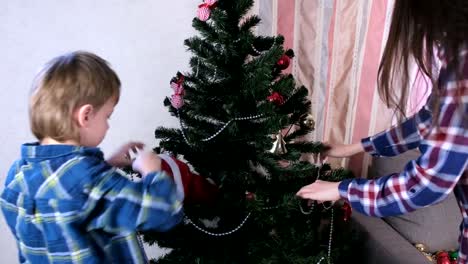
<point x="391" y="240"/>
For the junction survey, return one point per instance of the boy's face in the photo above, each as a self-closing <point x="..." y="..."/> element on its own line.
<point x="94" y="133"/>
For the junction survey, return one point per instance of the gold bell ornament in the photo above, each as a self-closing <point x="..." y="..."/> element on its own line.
<point x="279" y="147"/>
<point x="422" y="248"/>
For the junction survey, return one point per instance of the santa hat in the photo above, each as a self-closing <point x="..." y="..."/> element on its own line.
<point x="195" y="188"/>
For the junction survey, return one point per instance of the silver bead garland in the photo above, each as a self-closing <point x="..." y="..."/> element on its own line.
<point x="214" y="75"/>
<point x="270" y="207"/>
<point x="230" y="232"/>
<point x="254" y="49"/>
<point x="259" y="52"/>
<point x="331" y="236"/>
<point x="182" y="126"/>
<point x="307" y="212"/>
<point x="218" y="234"/>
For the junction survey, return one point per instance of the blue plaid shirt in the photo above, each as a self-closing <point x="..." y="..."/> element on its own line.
<point x="441" y="168"/>
<point x="65" y="204"/>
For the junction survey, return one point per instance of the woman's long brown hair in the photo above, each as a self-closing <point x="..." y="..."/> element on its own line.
<point x="419" y="27"/>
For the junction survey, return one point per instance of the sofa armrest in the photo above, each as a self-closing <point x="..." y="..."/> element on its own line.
<point x="383" y="245"/>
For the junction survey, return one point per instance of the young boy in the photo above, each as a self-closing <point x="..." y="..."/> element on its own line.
<point x="63" y="202"/>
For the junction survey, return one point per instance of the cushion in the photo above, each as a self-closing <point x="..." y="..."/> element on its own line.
<point x="435" y="226"/>
<point x="382" y="166"/>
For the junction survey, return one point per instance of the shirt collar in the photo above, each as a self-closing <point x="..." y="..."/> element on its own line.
<point x="33" y="151"/>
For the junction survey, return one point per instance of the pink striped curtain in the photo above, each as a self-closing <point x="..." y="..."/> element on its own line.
<point x="338" y="45"/>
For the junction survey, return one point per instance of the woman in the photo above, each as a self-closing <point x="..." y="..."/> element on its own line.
<point x="426" y="31"/>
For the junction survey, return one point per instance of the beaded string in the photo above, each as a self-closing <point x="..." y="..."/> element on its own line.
<point x="307" y="212"/>
<point x="260" y="52"/>
<point x="330" y="237"/>
<point x="218" y="234"/>
<point x="253" y="117"/>
<point x="188" y="220"/>
<point x="183" y="128"/>
<point x="237" y="40"/>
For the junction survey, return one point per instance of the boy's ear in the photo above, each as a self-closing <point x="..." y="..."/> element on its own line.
<point x="83" y="115"/>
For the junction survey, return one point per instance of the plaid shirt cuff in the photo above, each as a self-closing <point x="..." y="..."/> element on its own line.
<point x="369" y="146"/>
<point x="343" y="188"/>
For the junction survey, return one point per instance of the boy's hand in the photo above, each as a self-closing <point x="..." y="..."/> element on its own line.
<point x="122" y="158"/>
<point x="146" y="162"/>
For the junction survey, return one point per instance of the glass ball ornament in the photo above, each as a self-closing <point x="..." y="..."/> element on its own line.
<point x="309" y="122"/>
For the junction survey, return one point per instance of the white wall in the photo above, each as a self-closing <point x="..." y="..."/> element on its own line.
<point x="142" y="39"/>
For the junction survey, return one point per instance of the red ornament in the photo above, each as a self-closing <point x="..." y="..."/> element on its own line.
<point x="443" y="257"/>
<point x="276" y="98"/>
<point x="283" y="62"/>
<point x="197" y="189"/>
<point x="177" y="101"/>
<point x="249" y="196"/>
<point x="204" y="10"/>
<point x="346" y="211"/>
<point x="178" y="87"/>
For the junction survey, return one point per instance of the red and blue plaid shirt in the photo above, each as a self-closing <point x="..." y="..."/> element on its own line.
<point x="441" y="168"/>
<point x="64" y="204"/>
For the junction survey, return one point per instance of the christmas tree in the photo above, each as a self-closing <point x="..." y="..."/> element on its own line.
<point x="242" y="128"/>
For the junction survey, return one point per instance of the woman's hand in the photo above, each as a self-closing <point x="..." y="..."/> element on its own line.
<point x="320" y="191"/>
<point x="122" y="157"/>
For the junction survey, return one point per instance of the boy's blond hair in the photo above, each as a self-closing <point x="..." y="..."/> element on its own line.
<point x="62" y="86"/>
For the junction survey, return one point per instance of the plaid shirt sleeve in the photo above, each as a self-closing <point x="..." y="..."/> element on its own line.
<point x="399" y="138"/>
<point x="118" y="205"/>
<point x="431" y="177"/>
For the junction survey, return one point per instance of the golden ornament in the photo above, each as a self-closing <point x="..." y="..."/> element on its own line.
<point x="309" y="122"/>
<point x="421" y="247"/>
<point x="279" y="146"/>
